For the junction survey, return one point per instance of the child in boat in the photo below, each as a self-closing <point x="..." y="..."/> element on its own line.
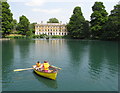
<point x="37" y="66"/>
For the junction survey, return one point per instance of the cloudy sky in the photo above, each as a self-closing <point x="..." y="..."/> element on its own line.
<point x="43" y="10"/>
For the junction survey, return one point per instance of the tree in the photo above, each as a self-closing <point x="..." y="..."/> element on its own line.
<point x="14" y="24"/>
<point x="32" y="27"/>
<point x="53" y="20"/>
<point x="6" y="18"/>
<point x="112" y="27"/>
<point x="76" y="24"/>
<point x="98" y="19"/>
<point x="23" y="25"/>
<point x="86" y="31"/>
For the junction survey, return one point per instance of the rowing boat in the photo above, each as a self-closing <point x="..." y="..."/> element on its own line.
<point x="51" y="75"/>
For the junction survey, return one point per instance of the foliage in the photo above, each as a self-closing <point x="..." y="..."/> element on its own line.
<point x="23" y="24"/>
<point x="56" y="36"/>
<point x="98" y="19"/>
<point x="29" y="33"/>
<point x="53" y="20"/>
<point x="86" y="31"/>
<point x="43" y="36"/>
<point x="14" y="24"/>
<point x="6" y="18"/>
<point x="32" y="27"/>
<point x="76" y="24"/>
<point x="112" y="26"/>
<point x="36" y="36"/>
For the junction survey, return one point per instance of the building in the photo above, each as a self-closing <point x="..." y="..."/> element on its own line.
<point x="51" y="29"/>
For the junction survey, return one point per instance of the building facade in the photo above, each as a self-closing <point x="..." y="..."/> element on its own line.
<point x="51" y="29"/>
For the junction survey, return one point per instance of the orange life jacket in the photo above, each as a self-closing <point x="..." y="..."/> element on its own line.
<point x="38" y="64"/>
<point x="46" y="66"/>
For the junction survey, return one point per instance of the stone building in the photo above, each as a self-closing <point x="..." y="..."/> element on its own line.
<point x="51" y="29"/>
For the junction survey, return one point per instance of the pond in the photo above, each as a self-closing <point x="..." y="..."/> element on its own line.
<point x="87" y="65"/>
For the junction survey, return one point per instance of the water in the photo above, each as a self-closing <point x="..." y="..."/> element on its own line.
<point x="86" y="65"/>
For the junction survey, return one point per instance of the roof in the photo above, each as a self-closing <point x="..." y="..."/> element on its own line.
<point x="50" y="24"/>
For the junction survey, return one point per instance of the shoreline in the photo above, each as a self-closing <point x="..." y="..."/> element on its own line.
<point x="4" y="38"/>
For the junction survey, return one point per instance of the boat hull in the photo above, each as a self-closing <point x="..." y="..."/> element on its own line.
<point x="47" y="75"/>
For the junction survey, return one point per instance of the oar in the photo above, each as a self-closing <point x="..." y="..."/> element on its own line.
<point x="22" y="69"/>
<point x="56" y="67"/>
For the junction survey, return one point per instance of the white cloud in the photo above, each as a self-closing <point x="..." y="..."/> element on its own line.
<point x="35" y="2"/>
<point x="51" y="11"/>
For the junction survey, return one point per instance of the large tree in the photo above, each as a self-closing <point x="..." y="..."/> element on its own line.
<point x="23" y="25"/>
<point x="6" y="18"/>
<point x="98" y="19"/>
<point x="112" y="27"/>
<point x="76" y="24"/>
<point x="53" y="20"/>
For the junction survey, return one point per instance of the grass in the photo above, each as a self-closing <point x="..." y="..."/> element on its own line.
<point x="15" y="36"/>
<point x="19" y="36"/>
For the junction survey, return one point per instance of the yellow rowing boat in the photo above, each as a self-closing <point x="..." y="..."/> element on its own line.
<point x="51" y="75"/>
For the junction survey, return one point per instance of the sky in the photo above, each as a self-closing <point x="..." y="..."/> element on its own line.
<point x="43" y="10"/>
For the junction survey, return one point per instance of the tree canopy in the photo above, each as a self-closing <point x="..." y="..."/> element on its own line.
<point x="112" y="26"/>
<point x="6" y="18"/>
<point x="53" y="20"/>
<point x="23" y="25"/>
<point x="98" y="19"/>
<point x="76" y="24"/>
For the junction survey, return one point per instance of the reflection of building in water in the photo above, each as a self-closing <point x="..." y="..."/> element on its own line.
<point x="51" y="29"/>
<point x="52" y="42"/>
<point x="49" y="47"/>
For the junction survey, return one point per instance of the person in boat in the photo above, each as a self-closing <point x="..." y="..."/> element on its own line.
<point x="46" y="66"/>
<point x="38" y="65"/>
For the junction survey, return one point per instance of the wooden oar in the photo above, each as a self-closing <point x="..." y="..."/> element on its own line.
<point x="22" y="69"/>
<point x="56" y="67"/>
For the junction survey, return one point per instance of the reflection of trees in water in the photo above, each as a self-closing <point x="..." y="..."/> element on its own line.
<point x="7" y="59"/>
<point x="111" y="56"/>
<point x="102" y="57"/>
<point x="78" y="51"/>
<point x="7" y="52"/>
<point x="49" y="83"/>
<point x="23" y="47"/>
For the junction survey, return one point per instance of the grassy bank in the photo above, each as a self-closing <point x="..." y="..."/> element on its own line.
<point x="19" y="36"/>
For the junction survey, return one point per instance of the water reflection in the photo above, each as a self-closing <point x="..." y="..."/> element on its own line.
<point x="49" y="49"/>
<point x="7" y="58"/>
<point x="49" y="83"/>
<point x="78" y="51"/>
<point x="102" y="58"/>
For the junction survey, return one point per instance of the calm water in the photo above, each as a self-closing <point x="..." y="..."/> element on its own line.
<point x="86" y="65"/>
